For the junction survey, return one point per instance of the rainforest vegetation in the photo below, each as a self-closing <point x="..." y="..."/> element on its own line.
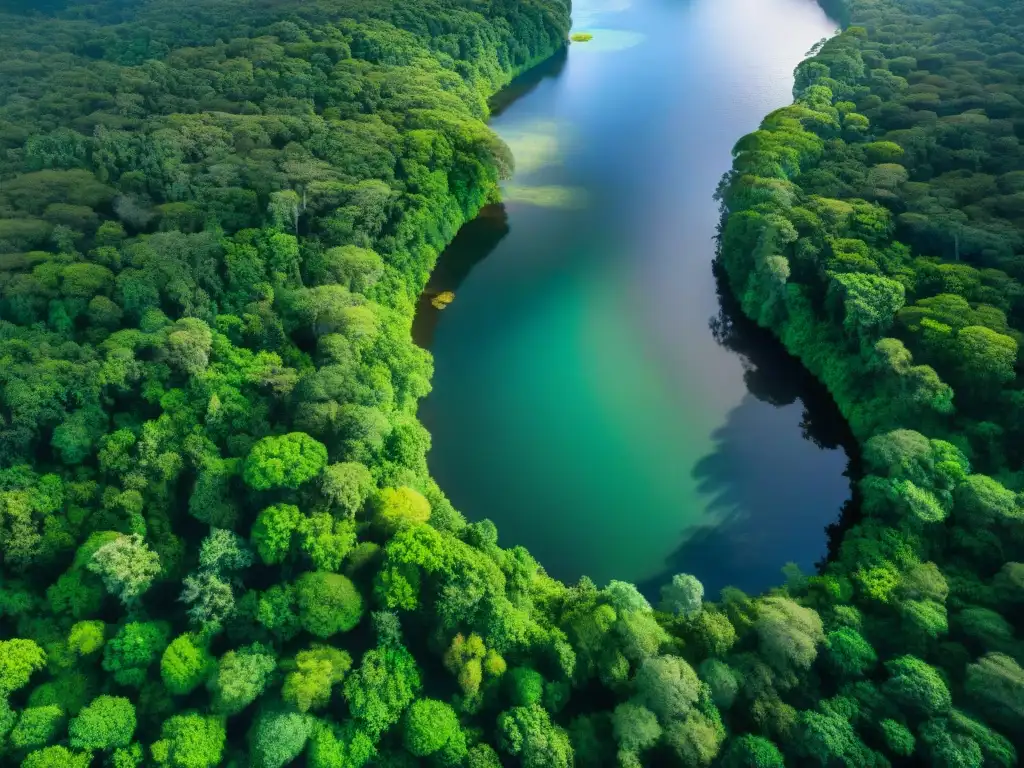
<point x="877" y="227"/>
<point x="220" y="544"/>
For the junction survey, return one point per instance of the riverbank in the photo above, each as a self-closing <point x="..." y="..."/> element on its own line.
<point x="219" y="539"/>
<point x="908" y="309"/>
<point x="578" y="386"/>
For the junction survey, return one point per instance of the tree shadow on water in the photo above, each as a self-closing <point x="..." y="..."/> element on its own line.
<point x="550" y="68"/>
<point x="774" y="376"/>
<point x="474" y="242"/>
<point x="778" y="475"/>
<point x="768" y="496"/>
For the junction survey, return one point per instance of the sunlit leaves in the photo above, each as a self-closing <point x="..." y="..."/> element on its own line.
<point x="241" y="677"/>
<point x="313" y="674"/>
<point x="385" y="683"/>
<point x="287" y="461"/>
<point x="19" y="658"/>
<point x="185" y="664"/>
<point x="106" y="723"/>
<point x="917" y="686"/>
<point x="328" y="603"/>
<point x="190" y="740"/>
<point x="127" y="567"/>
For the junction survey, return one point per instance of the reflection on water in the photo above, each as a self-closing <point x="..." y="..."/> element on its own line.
<point x="548" y="196"/>
<point x="748" y="528"/>
<point x="605" y="40"/>
<point x="525" y="83"/>
<point x="774" y="377"/>
<point x="473" y="243"/>
<point x="582" y="400"/>
<point x="534" y="146"/>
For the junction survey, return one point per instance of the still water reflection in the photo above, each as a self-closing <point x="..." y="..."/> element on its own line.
<point x="593" y="394"/>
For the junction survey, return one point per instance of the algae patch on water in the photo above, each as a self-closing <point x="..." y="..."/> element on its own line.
<point x="534" y="146"/>
<point x="551" y="196"/>
<point x="607" y="40"/>
<point x="443" y="299"/>
<point x="582" y="37"/>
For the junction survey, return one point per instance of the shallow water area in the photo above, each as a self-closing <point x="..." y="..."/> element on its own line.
<point x="592" y="396"/>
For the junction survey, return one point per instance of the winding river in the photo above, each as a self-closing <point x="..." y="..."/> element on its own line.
<point x="594" y="395"/>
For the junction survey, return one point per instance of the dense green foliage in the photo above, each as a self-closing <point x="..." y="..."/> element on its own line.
<point x="214" y="222"/>
<point x="876" y="227"/>
<point x="220" y="544"/>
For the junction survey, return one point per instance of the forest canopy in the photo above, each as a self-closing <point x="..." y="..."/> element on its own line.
<point x="219" y="541"/>
<point x="873" y="227"/>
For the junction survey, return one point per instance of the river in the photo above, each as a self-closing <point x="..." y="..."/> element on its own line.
<point x="593" y="394"/>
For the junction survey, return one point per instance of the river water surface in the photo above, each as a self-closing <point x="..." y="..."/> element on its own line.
<point x="593" y="395"/>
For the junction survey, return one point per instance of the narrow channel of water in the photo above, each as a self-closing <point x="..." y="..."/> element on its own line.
<point x="593" y="395"/>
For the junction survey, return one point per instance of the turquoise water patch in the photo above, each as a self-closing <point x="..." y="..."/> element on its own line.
<point x="591" y="395"/>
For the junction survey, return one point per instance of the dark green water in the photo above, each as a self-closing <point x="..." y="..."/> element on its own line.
<point x="593" y="395"/>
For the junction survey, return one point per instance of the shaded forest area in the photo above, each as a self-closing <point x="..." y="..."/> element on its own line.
<point x="220" y="543"/>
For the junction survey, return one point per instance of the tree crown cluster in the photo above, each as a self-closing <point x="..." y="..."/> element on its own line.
<point x="220" y="544"/>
